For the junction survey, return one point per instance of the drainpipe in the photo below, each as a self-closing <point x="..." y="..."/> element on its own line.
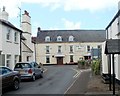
<point x="20" y="57"/>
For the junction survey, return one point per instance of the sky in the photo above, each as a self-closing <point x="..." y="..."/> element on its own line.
<point x="62" y="14"/>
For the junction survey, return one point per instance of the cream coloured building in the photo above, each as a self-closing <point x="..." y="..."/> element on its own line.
<point x="67" y="46"/>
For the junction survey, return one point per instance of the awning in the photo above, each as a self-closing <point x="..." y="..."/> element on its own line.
<point x="59" y="55"/>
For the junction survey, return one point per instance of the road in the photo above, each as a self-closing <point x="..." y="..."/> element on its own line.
<point x="57" y="79"/>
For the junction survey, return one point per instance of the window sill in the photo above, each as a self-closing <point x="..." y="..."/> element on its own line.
<point x="16" y="42"/>
<point x="9" y="41"/>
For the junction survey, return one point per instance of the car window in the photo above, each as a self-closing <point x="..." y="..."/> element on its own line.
<point x="0" y="71"/>
<point x="35" y="65"/>
<point x="5" y="70"/>
<point x="22" y="65"/>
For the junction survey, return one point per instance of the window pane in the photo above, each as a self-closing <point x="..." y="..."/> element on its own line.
<point x="8" y="60"/>
<point x="8" y="34"/>
<point x="71" y="58"/>
<point x="47" y="59"/>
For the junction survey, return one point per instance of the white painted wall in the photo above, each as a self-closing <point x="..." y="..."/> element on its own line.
<point x="0" y="36"/>
<point x="10" y="47"/>
<point x="104" y="60"/>
<point x="112" y="34"/>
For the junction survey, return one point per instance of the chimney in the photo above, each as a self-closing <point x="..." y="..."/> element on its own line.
<point x="26" y="22"/>
<point x="4" y="15"/>
<point x="38" y="33"/>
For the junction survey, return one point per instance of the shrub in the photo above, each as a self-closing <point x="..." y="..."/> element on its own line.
<point x="82" y="62"/>
<point x="95" y="66"/>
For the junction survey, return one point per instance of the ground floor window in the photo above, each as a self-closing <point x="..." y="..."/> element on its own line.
<point x="16" y="59"/>
<point x="8" y="60"/>
<point x="71" y="58"/>
<point x="47" y="59"/>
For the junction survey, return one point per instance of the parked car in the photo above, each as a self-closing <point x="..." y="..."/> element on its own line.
<point x="29" y="70"/>
<point x="9" y="78"/>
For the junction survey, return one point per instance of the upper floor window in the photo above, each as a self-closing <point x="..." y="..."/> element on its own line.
<point x="59" y="38"/>
<point x="47" y="49"/>
<point x="59" y="49"/>
<point x="8" y="34"/>
<point x="15" y="36"/>
<point x="71" y="38"/>
<point x="71" y="48"/>
<point x="47" y="38"/>
<point x="88" y="48"/>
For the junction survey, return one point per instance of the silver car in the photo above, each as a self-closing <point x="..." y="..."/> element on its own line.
<point x="29" y="70"/>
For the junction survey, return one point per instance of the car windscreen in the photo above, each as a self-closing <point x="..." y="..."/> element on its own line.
<point x="22" y="65"/>
<point x="0" y="71"/>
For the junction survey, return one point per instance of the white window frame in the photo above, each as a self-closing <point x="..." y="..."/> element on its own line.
<point x="47" y="39"/>
<point x="71" y="48"/>
<point x="59" y="38"/>
<point x="47" y="49"/>
<point x="16" y="59"/>
<point x="71" y="38"/>
<point x="16" y="37"/>
<point x="47" y="59"/>
<point x="88" y="49"/>
<point x="8" y="35"/>
<point x="59" y="49"/>
<point x="8" y="60"/>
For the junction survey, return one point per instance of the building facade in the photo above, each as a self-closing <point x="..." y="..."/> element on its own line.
<point x="67" y="46"/>
<point x="112" y="32"/>
<point x="9" y="41"/>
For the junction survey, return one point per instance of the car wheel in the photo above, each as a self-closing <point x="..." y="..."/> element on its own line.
<point x="16" y="84"/>
<point x="41" y="75"/>
<point x="33" y="77"/>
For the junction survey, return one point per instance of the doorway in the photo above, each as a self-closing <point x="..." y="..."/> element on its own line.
<point x="59" y="60"/>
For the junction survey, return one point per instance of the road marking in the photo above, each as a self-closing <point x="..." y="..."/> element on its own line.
<point x="45" y="69"/>
<point x="77" y="74"/>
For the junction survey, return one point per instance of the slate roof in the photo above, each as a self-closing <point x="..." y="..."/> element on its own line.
<point x="7" y="23"/>
<point x="79" y="35"/>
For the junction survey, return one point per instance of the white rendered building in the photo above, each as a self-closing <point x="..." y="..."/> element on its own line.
<point x="9" y="41"/>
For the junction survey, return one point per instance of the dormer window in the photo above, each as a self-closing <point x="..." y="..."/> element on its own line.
<point x="71" y="38"/>
<point x="59" y="38"/>
<point x="47" y="38"/>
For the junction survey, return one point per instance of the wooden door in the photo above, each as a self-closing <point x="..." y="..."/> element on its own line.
<point x="60" y="60"/>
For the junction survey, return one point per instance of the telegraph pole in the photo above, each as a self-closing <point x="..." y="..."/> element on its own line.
<point x="20" y="57"/>
<point x="20" y="15"/>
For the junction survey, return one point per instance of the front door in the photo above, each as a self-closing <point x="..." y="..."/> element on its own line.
<point x="60" y="60"/>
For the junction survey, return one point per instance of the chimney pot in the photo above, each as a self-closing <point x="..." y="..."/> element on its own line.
<point x="39" y="29"/>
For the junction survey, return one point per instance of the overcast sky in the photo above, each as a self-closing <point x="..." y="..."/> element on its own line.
<point x="63" y="14"/>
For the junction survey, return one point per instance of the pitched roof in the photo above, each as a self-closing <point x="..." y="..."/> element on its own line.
<point x="9" y="24"/>
<point x="79" y="35"/>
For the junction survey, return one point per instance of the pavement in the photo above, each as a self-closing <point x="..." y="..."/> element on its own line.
<point x="79" y="86"/>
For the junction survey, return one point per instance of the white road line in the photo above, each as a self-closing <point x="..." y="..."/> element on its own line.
<point x="77" y="74"/>
<point x="45" y="69"/>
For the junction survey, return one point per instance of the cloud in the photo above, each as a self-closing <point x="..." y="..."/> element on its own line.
<point x="71" y="25"/>
<point x="67" y="5"/>
<point x="91" y="5"/>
